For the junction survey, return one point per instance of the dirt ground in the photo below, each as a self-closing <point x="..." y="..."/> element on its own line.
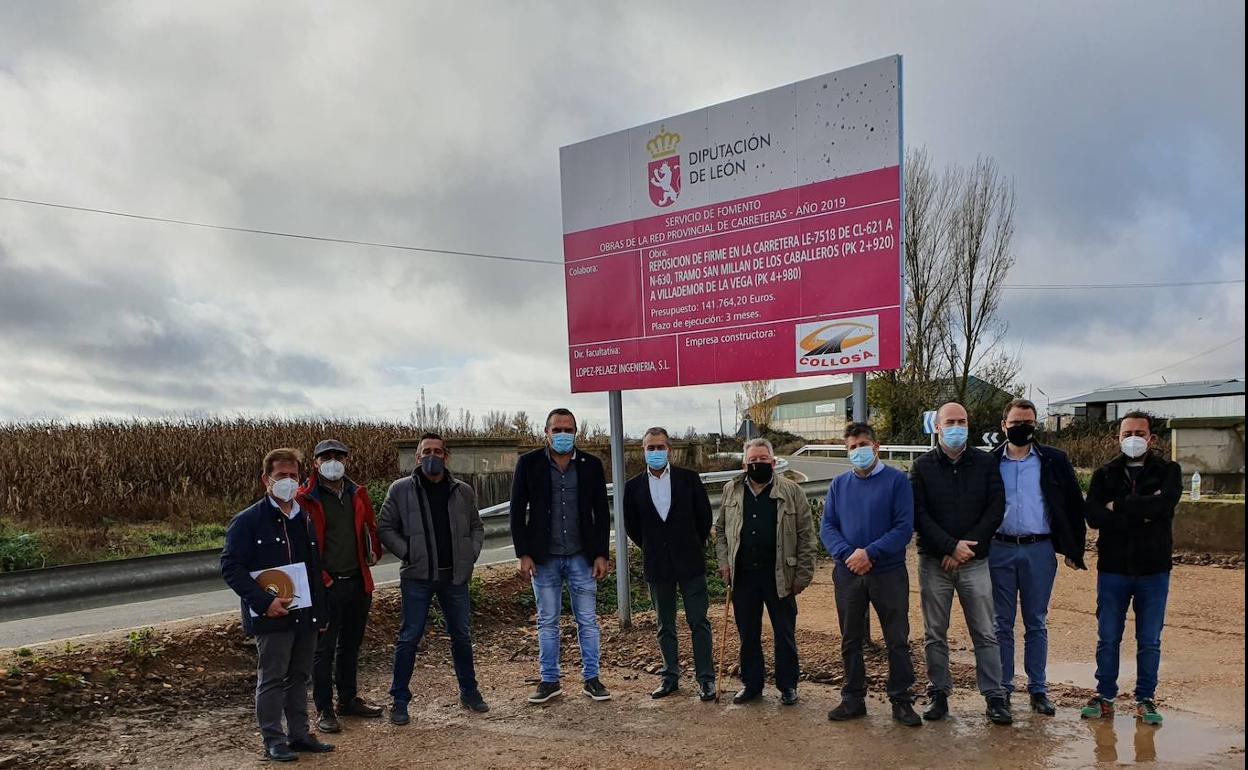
<point x="189" y="705"/>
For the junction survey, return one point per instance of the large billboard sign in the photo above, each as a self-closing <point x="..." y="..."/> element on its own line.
<point x="755" y="239"/>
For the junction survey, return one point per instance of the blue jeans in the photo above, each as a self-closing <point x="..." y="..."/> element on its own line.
<point x="1147" y="594"/>
<point x="456" y="608"/>
<point x="548" y="591"/>
<point x="1023" y="574"/>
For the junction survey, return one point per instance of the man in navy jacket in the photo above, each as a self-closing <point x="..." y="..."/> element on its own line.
<point x="272" y="533"/>
<point x="561" y="530"/>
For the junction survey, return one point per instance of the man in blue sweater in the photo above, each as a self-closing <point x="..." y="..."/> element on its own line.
<point x="867" y="521"/>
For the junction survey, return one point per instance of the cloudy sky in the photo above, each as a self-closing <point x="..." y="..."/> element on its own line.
<point x="438" y="124"/>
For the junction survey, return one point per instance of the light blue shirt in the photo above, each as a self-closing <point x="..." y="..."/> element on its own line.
<point x="661" y="491"/>
<point x="1024" y="502"/>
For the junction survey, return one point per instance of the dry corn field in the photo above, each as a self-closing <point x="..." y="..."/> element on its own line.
<point x="79" y="474"/>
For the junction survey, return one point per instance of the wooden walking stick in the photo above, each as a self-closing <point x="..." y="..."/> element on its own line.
<point x="723" y="642"/>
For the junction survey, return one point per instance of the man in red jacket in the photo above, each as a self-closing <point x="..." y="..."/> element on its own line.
<point x="346" y="530"/>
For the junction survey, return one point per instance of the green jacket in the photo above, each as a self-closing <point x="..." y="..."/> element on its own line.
<point x="795" y="532"/>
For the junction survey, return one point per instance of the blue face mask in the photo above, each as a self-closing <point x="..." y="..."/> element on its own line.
<point x="562" y="443"/>
<point x="862" y="457"/>
<point x="954" y="436"/>
<point x="656" y="459"/>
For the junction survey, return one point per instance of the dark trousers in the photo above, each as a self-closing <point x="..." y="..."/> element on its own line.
<point x="889" y="593"/>
<point x="1147" y="595"/>
<point x="696" y="603"/>
<point x="456" y="609"/>
<point x="338" y="649"/>
<point x="283" y="668"/>
<point x="751" y="591"/>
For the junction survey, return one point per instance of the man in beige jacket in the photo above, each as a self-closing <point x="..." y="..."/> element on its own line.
<point x="765" y="541"/>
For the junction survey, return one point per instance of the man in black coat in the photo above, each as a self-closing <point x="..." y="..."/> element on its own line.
<point x="668" y="515"/>
<point x="561" y="530"/>
<point x="959" y="501"/>
<point x="1131" y="501"/>
<point x="1043" y="518"/>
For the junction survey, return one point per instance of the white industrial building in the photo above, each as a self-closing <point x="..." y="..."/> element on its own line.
<point x="1206" y="398"/>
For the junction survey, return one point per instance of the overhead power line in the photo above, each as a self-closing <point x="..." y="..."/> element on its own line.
<point x="509" y="258"/>
<point x="1159" y="285"/>
<point x="280" y="233"/>
<point x="1167" y="367"/>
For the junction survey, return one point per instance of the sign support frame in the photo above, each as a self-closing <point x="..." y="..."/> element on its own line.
<point x="615" y="404"/>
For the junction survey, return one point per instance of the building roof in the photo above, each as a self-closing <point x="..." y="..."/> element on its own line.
<point x="1199" y="389"/>
<point x="808" y="395"/>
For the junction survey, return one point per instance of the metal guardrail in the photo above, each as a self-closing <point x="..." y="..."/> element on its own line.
<point x="122" y="580"/>
<point x="887" y="451"/>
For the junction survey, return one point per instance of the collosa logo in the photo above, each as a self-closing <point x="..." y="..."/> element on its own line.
<point x="843" y="344"/>
<point x="663" y="171"/>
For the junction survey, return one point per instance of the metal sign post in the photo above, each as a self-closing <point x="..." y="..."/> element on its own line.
<point x="860" y="396"/>
<point x="615" y="403"/>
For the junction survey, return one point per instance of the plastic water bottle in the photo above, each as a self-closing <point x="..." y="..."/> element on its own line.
<point x="1196" y="485"/>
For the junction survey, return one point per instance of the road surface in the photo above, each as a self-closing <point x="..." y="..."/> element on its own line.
<point x="212" y="599"/>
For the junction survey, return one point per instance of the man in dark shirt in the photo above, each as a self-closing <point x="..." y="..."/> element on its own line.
<point x="430" y="521"/>
<point x="342" y="515"/>
<point x="1131" y="503"/>
<point x="765" y="545"/>
<point x="561" y="530"/>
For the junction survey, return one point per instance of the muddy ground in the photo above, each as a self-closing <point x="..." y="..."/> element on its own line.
<point x="181" y="698"/>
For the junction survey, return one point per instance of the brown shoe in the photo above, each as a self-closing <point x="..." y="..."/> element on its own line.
<point x="357" y="707"/>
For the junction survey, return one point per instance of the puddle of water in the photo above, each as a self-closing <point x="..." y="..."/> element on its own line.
<point x="1181" y="739"/>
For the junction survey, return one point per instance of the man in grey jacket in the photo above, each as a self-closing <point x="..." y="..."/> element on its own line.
<point x="430" y="521"/>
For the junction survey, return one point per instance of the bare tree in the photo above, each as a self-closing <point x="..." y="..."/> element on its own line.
<point x="756" y="396"/>
<point x="929" y="201"/>
<point x="466" y="425"/>
<point x="981" y="228"/>
<point x="496" y="423"/>
<point x="521" y="425"/>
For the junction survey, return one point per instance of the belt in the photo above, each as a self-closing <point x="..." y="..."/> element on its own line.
<point x="1021" y="539"/>
<point x="350" y="576"/>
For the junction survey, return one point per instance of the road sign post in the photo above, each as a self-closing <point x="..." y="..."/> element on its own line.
<point x="615" y="403"/>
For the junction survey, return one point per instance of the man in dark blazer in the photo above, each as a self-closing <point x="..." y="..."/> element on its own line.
<point x="668" y="515"/>
<point x="561" y="530"/>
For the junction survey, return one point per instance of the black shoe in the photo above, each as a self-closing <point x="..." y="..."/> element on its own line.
<point x="903" y="712"/>
<point x="1041" y="704"/>
<point x="327" y="722"/>
<point x="668" y="687"/>
<point x="594" y="689"/>
<point x="939" y="708"/>
<point x="474" y="702"/>
<point x="311" y="745"/>
<point x="845" y="712"/>
<point x="998" y="712"/>
<point x="358" y="707"/>
<point x="746" y="695"/>
<point x="398" y="714"/>
<point x="545" y="691"/>
<point x="788" y="697"/>
<point x="706" y="691"/>
<point x="280" y="753"/>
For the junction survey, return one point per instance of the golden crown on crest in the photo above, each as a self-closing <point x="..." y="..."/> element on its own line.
<point x="663" y="144"/>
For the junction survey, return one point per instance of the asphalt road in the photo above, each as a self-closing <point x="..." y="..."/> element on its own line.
<point x="214" y="600"/>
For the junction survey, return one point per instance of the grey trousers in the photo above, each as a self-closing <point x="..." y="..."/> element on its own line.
<point x="973" y="584"/>
<point x="283" y="671"/>
<point x="889" y="593"/>
<point x="696" y="604"/>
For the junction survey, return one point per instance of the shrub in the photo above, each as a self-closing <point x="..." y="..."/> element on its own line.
<point x="20" y="551"/>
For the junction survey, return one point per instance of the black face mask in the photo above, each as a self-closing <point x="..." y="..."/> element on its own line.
<point x="759" y="473"/>
<point x="1020" y="435"/>
<point x="432" y="465"/>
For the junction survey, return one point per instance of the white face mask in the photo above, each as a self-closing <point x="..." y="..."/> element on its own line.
<point x="1134" y="446"/>
<point x="332" y="470"/>
<point x="284" y="489"/>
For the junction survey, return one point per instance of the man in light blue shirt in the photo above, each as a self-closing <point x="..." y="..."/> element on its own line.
<point x="1023" y="559"/>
